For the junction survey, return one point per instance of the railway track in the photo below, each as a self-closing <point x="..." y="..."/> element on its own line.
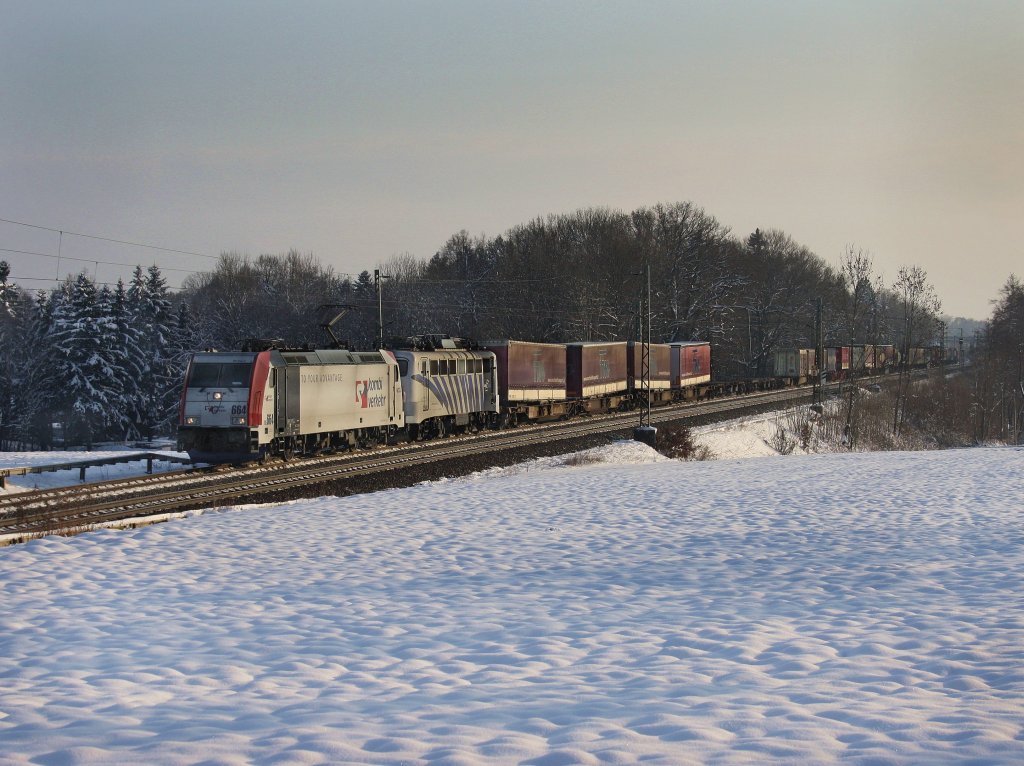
<point x="71" y="509"/>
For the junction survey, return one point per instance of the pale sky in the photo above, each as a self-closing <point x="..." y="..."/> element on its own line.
<point x="357" y="131"/>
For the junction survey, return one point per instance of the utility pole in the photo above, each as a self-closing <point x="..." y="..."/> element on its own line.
<point x="852" y="392"/>
<point x="819" y="355"/>
<point x="378" y="284"/>
<point x="645" y="364"/>
<point x="645" y="432"/>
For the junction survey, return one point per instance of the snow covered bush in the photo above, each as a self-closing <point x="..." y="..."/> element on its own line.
<point x="676" y="441"/>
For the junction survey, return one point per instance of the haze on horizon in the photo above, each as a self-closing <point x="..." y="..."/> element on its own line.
<point x="357" y="131"/>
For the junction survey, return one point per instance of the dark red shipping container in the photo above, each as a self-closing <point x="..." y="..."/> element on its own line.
<point x="596" y="369"/>
<point x="842" y="358"/>
<point x="691" y="363"/>
<point x="529" y="372"/>
<point x="659" y="361"/>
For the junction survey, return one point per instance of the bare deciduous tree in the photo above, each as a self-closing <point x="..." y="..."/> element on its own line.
<point x="919" y="306"/>
<point x="855" y="268"/>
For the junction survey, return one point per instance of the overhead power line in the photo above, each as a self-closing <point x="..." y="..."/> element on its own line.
<point x="109" y="239"/>
<point x="93" y="260"/>
<point x="13" y="279"/>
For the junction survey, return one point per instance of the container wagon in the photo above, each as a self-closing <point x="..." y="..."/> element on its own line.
<point x="659" y="371"/>
<point x="531" y="379"/>
<point x="691" y="368"/>
<point x="597" y="375"/>
<point x="796" y="365"/>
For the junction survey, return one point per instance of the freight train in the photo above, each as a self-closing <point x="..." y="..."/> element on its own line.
<point x="841" y="362"/>
<point x="269" y="400"/>
<point x="246" y="405"/>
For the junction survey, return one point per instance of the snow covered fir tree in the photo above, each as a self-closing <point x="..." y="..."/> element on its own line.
<point x="85" y="363"/>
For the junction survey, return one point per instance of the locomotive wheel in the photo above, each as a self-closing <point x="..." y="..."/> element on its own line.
<point x="442" y="430"/>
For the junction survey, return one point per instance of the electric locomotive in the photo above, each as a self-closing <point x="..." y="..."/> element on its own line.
<point x="447" y="385"/>
<point x="244" y="405"/>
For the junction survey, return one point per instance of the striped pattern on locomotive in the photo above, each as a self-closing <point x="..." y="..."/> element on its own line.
<point x="461" y="392"/>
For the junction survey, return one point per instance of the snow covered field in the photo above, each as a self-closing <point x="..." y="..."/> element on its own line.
<point x="620" y="609"/>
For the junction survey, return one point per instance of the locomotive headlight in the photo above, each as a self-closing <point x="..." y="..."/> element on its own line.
<point x="240" y="421"/>
<point x="191" y="420"/>
<point x="218" y="395"/>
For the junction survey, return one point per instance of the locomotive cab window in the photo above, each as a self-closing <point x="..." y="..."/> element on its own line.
<point x="433" y="367"/>
<point x="227" y="375"/>
<point x="403" y="367"/>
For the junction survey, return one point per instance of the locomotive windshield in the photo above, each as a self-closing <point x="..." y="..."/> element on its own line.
<point x="229" y="375"/>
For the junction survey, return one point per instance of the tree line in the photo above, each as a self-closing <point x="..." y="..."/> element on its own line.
<point x="583" y="276"/>
<point x="107" y="362"/>
<point x="85" y="363"/>
<point x="997" y="406"/>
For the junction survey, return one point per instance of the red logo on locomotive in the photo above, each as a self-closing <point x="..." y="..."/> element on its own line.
<point x="370" y="394"/>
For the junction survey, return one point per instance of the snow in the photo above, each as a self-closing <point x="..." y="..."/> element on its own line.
<point x="611" y="607"/>
<point x="741" y="438"/>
